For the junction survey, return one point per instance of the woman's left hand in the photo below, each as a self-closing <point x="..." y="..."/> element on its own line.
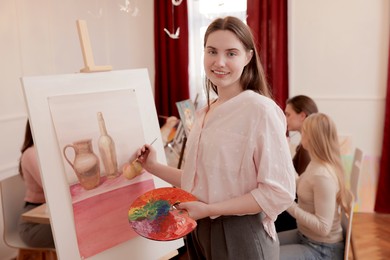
<point x="196" y="209"/>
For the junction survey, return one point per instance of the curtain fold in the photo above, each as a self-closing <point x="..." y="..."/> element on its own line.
<point x="382" y="204"/>
<point x="268" y="21"/>
<point x="171" y="56"/>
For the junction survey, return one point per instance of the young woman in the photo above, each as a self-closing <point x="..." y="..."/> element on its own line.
<point x="33" y="234"/>
<point x="298" y="108"/>
<point x="238" y="162"/>
<point x="321" y="191"/>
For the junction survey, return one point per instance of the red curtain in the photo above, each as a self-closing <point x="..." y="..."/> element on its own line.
<point x="171" y="56"/>
<point x="268" y="21"/>
<point x="382" y="204"/>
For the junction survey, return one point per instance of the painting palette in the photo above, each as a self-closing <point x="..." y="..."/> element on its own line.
<point x="153" y="215"/>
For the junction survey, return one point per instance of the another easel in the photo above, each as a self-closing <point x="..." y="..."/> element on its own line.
<point x="183" y="146"/>
<point x="184" y="134"/>
<point x="86" y="49"/>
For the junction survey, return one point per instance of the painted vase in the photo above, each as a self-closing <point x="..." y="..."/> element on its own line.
<point x="86" y="164"/>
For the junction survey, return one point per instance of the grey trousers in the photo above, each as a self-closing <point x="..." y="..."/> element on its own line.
<point x="35" y="234"/>
<point x="231" y="237"/>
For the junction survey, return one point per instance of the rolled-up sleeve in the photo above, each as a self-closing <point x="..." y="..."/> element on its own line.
<point x="275" y="190"/>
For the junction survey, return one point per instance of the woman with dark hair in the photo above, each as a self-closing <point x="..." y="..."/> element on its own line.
<point x="238" y="163"/>
<point x="297" y="109"/>
<point x="33" y="234"/>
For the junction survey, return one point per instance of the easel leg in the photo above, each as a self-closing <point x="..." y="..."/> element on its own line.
<point x="182" y="152"/>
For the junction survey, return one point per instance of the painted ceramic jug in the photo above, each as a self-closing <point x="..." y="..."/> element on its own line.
<point x="86" y="164"/>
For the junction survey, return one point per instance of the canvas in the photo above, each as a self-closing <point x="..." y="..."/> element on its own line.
<point x="90" y="222"/>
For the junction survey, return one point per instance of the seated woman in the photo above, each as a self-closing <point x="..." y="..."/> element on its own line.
<point x="321" y="191"/>
<point x="33" y="234"/>
<point x="298" y="108"/>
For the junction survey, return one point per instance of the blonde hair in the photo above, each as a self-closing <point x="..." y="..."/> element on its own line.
<point x="323" y="146"/>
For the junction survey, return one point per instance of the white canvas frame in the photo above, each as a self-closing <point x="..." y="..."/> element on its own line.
<point x="37" y="90"/>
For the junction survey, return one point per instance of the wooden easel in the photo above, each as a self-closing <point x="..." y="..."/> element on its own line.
<point x="86" y="49"/>
<point x="183" y="147"/>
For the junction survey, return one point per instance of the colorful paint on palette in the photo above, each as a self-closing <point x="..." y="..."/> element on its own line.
<point x="153" y="216"/>
<point x="152" y="210"/>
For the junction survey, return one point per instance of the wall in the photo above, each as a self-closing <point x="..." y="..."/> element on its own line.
<point x="40" y="38"/>
<point x="338" y="54"/>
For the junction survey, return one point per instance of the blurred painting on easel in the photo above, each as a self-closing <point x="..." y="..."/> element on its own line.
<point x="173" y="147"/>
<point x="186" y="110"/>
<point x="175" y="132"/>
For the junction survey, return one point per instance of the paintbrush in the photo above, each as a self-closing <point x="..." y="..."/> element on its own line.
<point x="133" y="169"/>
<point x="146" y="150"/>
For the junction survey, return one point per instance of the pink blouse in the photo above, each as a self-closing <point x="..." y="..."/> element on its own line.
<point x="32" y="177"/>
<point x="241" y="148"/>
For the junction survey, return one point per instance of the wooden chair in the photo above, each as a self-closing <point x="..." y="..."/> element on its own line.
<point x="355" y="172"/>
<point x="12" y="199"/>
<point x="346" y="223"/>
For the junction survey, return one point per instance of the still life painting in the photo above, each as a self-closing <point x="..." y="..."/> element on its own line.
<point x="98" y="134"/>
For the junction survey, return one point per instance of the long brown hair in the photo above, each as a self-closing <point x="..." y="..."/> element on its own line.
<point x="28" y="142"/>
<point x="253" y="76"/>
<point x="322" y="138"/>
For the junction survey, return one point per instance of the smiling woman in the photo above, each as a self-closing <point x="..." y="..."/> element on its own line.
<point x="200" y="15"/>
<point x="238" y="162"/>
<point x="223" y="61"/>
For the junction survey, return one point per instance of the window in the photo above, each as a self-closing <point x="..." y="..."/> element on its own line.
<point x="200" y="14"/>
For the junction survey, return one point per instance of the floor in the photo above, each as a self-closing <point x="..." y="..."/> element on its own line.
<point x="371" y="232"/>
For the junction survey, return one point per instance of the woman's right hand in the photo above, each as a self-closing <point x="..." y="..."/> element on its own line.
<point x="147" y="156"/>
